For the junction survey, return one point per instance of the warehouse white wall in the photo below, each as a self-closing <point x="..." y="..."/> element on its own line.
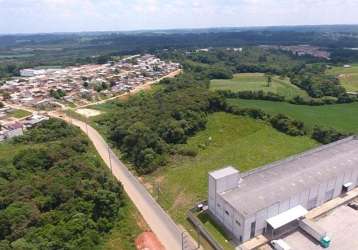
<point x="320" y="191"/>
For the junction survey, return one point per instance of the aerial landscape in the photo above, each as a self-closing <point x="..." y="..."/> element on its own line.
<point x="178" y="125"/>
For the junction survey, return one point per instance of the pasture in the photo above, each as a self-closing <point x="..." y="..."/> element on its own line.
<point x="228" y="140"/>
<point x="342" y="117"/>
<point x="257" y="82"/>
<point x="348" y="77"/>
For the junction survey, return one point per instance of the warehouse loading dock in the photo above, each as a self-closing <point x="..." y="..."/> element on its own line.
<point x="341" y="225"/>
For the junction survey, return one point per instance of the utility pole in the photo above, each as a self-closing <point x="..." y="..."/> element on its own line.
<point x="197" y="230"/>
<point x="86" y="121"/>
<point x="110" y="160"/>
<point x="182" y="240"/>
<point x="158" y="191"/>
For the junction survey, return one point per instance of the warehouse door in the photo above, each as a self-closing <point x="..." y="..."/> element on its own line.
<point x="253" y="229"/>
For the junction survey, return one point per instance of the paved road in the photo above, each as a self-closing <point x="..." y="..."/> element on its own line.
<point x="157" y="219"/>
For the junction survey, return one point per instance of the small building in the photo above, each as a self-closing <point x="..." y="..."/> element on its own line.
<point x="269" y="199"/>
<point x="34" y="120"/>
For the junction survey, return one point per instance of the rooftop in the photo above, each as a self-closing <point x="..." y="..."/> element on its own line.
<point x="223" y="172"/>
<point x="278" y="181"/>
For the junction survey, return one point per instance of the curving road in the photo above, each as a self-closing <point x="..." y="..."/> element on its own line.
<point x="157" y="219"/>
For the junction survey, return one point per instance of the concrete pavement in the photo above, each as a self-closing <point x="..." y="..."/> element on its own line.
<point x="157" y="219"/>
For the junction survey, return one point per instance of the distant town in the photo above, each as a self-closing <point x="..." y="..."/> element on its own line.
<point x="81" y="85"/>
<point x="46" y="89"/>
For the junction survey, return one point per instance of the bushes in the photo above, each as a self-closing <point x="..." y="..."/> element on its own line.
<point x="287" y="125"/>
<point x="254" y="95"/>
<point x="326" y="136"/>
<point x="257" y="114"/>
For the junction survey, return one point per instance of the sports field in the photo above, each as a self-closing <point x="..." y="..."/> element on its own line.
<point x="343" y="117"/>
<point x="228" y="140"/>
<point x="256" y="82"/>
<point x="347" y="76"/>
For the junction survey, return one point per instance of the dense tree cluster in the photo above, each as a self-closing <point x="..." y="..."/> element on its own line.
<point x="313" y="79"/>
<point x="57" y="94"/>
<point x="249" y="60"/>
<point x="254" y="95"/>
<point x="55" y="193"/>
<point x="146" y="127"/>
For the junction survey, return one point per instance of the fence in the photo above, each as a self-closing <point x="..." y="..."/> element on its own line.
<point x="201" y="228"/>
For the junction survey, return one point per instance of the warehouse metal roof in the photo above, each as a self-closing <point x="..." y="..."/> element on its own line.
<point x="281" y="180"/>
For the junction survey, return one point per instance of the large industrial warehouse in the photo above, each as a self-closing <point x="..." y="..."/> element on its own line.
<point x="269" y="198"/>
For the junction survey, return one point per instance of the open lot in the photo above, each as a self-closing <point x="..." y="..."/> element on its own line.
<point x="343" y="117"/>
<point x="347" y="76"/>
<point x="341" y="225"/>
<point x="256" y="82"/>
<point x="228" y="140"/>
<point x="88" y="112"/>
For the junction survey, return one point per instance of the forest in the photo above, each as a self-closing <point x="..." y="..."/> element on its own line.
<point x="55" y="192"/>
<point x="31" y="50"/>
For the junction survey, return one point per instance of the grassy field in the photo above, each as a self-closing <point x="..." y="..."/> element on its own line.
<point x="123" y="235"/>
<point x="241" y="142"/>
<point x="347" y="76"/>
<point x="19" y="113"/>
<point x="256" y="82"/>
<point x="343" y="117"/>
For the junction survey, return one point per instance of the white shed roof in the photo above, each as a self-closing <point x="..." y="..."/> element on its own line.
<point x="287" y="217"/>
<point x="223" y="172"/>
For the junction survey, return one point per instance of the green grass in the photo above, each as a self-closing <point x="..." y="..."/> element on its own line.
<point x="256" y="82"/>
<point x="215" y="231"/>
<point x="347" y="76"/>
<point x="238" y="141"/>
<point x="19" y="113"/>
<point x="342" y="117"/>
<point x="124" y="233"/>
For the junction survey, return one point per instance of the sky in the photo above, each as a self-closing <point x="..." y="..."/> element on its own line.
<point x="38" y="16"/>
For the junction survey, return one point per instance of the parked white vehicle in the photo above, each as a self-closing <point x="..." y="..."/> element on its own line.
<point x="280" y="245"/>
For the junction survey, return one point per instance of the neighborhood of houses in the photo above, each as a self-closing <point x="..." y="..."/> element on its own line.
<point x="45" y="89"/>
<point x="12" y="129"/>
<point x="81" y="85"/>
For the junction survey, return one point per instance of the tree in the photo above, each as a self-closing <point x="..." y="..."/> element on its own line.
<point x="268" y="77"/>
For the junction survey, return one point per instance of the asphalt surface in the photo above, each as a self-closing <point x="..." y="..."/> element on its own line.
<point x="157" y="219"/>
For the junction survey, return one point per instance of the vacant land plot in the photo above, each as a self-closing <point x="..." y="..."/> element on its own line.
<point x="347" y="76"/>
<point x="19" y="113"/>
<point x="343" y="117"/>
<point x="88" y="112"/>
<point x="228" y="140"/>
<point x="256" y="82"/>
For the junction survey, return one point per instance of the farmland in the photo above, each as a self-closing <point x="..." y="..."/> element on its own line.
<point x="257" y="82"/>
<point x="348" y="76"/>
<point x="227" y="140"/>
<point x="342" y="117"/>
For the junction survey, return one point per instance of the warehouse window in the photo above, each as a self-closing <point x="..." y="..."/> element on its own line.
<point x="238" y="223"/>
<point x="227" y="212"/>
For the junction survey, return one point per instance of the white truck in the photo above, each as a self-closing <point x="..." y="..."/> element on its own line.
<point x="280" y="245"/>
<point x="311" y="228"/>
